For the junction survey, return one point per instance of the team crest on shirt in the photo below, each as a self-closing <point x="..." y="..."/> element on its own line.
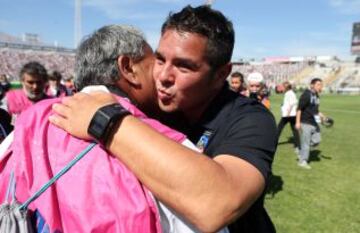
<point x="203" y="141"/>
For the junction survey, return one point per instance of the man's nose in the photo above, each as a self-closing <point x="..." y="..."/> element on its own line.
<point x="36" y="86"/>
<point x="166" y="75"/>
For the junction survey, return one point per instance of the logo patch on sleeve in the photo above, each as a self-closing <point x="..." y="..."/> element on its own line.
<point x="204" y="140"/>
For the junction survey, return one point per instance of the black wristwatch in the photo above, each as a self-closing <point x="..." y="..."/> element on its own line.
<point x="101" y="125"/>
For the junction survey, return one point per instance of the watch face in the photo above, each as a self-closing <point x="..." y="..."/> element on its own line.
<point x="98" y="125"/>
<point x="101" y="124"/>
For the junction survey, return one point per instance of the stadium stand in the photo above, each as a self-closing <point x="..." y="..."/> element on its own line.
<point x="348" y="80"/>
<point x="273" y="73"/>
<point x="338" y="76"/>
<point x="15" y="52"/>
<point x="11" y="60"/>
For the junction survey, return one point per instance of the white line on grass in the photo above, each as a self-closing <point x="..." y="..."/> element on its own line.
<point x="338" y="110"/>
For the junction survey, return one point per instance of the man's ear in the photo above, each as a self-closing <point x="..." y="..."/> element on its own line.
<point x="126" y="69"/>
<point x="223" y="72"/>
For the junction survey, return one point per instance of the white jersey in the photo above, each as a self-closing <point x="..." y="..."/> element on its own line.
<point x="288" y="108"/>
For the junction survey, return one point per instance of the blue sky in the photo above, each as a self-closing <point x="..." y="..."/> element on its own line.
<point x="263" y="28"/>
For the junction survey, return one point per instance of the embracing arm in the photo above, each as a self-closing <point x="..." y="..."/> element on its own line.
<point x="210" y="193"/>
<point x="192" y="184"/>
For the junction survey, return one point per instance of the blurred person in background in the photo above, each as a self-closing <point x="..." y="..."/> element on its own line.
<point x="69" y="83"/>
<point x="5" y="124"/>
<point x="288" y="114"/>
<point x="308" y="119"/>
<point x="236" y="83"/>
<point x="4" y="83"/>
<point x="33" y="77"/>
<point x="4" y="87"/>
<point x="55" y="88"/>
<point x="256" y="88"/>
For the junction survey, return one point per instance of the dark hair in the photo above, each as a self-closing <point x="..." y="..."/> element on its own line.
<point x="5" y="122"/>
<point x="55" y="76"/>
<point x="287" y="85"/>
<point x="4" y="77"/>
<point x="34" y="68"/>
<point x="315" y="80"/>
<point x="209" y="23"/>
<point x="238" y="75"/>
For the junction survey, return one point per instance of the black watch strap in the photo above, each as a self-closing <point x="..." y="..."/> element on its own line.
<point x="103" y="121"/>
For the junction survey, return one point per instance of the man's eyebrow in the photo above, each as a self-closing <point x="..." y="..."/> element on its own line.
<point x="186" y="63"/>
<point x="158" y="54"/>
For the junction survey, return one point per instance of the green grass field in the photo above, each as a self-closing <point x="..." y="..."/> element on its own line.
<point x="327" y="197"/>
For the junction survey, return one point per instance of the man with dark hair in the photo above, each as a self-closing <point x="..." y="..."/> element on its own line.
<point x="4" y="85"/>
<point x="33" y="77"/>
<point x="5" y="124"/>
<point x="237" y="83"/>
<point x="225" y="184"/>
<point x="308" y="118"/>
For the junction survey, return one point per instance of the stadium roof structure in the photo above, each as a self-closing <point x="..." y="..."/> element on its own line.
<point x="299" y="59"/>
<point x="34" y="43"/>
<point x="9" y="38"/>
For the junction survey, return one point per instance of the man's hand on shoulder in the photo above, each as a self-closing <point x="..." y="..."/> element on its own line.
<point x="74" y="113"/>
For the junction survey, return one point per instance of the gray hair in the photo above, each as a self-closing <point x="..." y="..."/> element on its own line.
<point x="96" y="57"/>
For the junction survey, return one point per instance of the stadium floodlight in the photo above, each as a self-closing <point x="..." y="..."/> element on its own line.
<point x="77" y="23"/>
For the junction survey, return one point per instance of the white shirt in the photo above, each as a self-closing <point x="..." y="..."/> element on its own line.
<point x="288" y="108"/>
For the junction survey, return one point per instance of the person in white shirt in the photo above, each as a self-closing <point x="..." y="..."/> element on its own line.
<point x="288" y="114"/>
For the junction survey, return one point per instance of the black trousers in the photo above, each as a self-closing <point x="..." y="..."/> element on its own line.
<point x="292" y="121"/>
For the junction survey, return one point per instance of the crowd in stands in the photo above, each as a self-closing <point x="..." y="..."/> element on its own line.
<point x="60" y="68"/>
<point x="11" y="61"/>
<point x="273" y="73"/>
